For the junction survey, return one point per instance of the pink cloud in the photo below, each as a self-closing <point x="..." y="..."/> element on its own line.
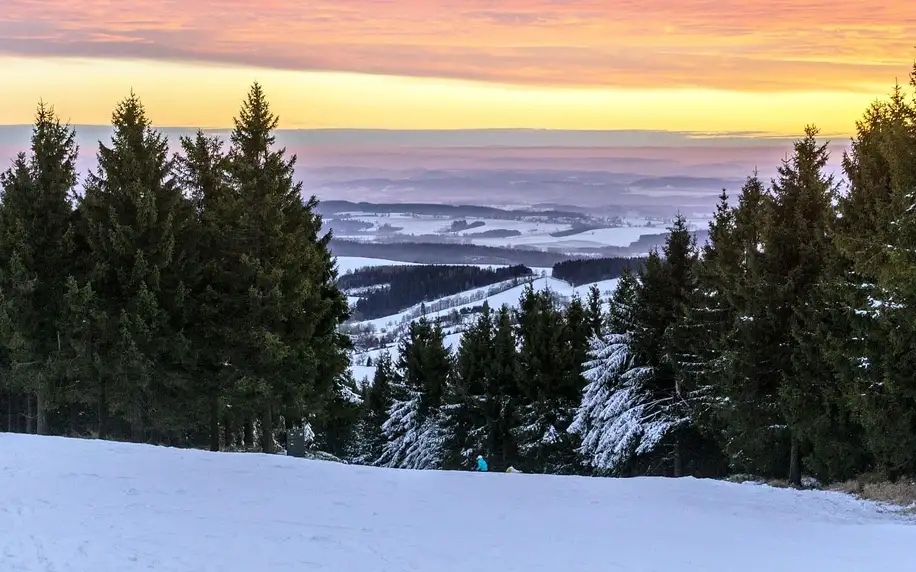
<point x="733" y="44"/>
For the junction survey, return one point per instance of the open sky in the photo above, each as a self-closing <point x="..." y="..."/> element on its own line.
<point x="766" y="66"/>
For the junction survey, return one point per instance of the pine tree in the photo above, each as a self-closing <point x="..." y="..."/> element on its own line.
<point x="470" y="423"/>
<point x="288" y="306"/>
<point x="615" y="420"/>
<point x="748" y="382"/>
<point x="131" y="216"/>
<point x="666" y="287"/>
<point x="797" y="255"/>
<point x="505" y="398"/>
<point x="875" y="235"/>
<point x="594" y="311"/>
<point x="209" y="321"/>
<point x="374" y="412"/>
<point x="549" y="400"/>
<point x="709" y="319"/>
<point x="36" y="245"/>
<point x="414" y="431"/>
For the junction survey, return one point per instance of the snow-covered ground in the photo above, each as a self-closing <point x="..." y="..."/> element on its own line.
<point x="91" y="506"/>
<point x="508" y="297"/>
<point x="533" y="234"/>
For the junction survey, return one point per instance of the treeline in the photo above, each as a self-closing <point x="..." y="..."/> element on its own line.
<point x="782" y="347"/>
<point x="183" y="298"/>
<point x="587" y="270"/>
<point x="404" y="286"/>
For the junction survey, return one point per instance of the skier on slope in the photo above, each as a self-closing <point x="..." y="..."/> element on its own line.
<point x="481" y="464"/>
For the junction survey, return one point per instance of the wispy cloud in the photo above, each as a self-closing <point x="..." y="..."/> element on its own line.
<point x="753" y="45"/>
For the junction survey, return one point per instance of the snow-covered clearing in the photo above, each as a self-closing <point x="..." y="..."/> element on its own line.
<point x="70" y="505"/>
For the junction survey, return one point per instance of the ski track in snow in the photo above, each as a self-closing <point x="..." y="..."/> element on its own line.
<point x="69" y="505"/>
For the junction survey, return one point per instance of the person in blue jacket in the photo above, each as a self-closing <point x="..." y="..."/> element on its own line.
<point x="481" y="464"/>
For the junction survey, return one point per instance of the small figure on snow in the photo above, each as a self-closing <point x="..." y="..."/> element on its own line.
<point x="481" y="464"/>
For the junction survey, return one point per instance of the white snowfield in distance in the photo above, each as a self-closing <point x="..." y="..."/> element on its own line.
<point x="91" y="506"/>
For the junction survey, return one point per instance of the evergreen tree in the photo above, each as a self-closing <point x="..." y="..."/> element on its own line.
<point x="875" y="235"/>
<point x="470" y="423"/>
<point x="709" y="319"/>
<point x="797" y="255"/>
<point x="286" y="304"/>
<point x="747" y="387"/>
<point x="505" y="398"/>
<point x="615" y="420"/>
<point x="202" y="172"/>
<point x="374" y="412"/>
<point x="664" y="294"/>
<point x="593" y="310"/>
<point x="36" y="245"/>
<point x="414" y="431"/>
<point x="549" y="396"/>
<point x="131" y="219"/>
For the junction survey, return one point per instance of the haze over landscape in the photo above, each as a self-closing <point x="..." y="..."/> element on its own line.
<point x="586" y="273"/>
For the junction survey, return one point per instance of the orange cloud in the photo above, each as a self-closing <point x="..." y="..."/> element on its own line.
<point x="746" y="45"/>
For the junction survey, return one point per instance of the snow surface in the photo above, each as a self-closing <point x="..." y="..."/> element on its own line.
<point x="69" y="505"/>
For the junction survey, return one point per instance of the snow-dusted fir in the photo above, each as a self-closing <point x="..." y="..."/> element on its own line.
<point x="413" y="432"/>
<point x="411" y="442"/>
<point x="618" y="417"/>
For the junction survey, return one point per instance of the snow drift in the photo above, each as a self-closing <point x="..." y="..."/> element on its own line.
<point x="71" y="505"/>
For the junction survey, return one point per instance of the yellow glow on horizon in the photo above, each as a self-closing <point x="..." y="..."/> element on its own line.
<point x="191" y="95"/>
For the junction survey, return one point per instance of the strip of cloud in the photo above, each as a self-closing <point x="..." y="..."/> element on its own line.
<point x="748" y="45"/>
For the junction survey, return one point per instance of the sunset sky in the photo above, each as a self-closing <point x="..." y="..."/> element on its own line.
<point x="766" y="66"/>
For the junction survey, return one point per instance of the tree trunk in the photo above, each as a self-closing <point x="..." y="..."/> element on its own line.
<point x="41" y="409"/>
<point x="795" y="464"/>
<point x="103" y="410"/>
<point x="227" y="432"/>
<point x="249" y="435"/>
<point x="214" y="421"/>
<point x="678" y="460"/>
<point x="267" y="431"/>
<point x="29" y="414"/>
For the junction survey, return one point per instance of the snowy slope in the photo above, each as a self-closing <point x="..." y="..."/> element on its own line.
<point x="90" y="506"/>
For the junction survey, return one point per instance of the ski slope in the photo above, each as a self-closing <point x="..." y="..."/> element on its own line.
<point x="71" y="505"/>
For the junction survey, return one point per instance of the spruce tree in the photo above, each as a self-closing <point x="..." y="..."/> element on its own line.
<point x="748" y="383"/>
<point x="414" y="431"/>
<point x="131" y="220"/>
<point x="614" y="419"/>
<point x="290" y="352"/>
<point x="504" y="394"/>
<point x="470" y="423"/>
<point x="36" y="245"/>
<point x="374" y="412"/>
<point x="209" y="321"/>
<point x="667" y="285"/>
<point x="544" y="373"/>
<point x="797" y="255"/>
<point x="875" y="235"/>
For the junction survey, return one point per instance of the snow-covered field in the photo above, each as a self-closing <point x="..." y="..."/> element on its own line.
<point x="92" y="506"/>
<point x="508" y="297"/>
<point x="534" y="234"/>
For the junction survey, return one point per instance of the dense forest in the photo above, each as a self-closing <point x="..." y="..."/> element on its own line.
<point x="182" y="298"/>
<point x="782" y="346"/>
<point x="581" y="271"/>
<point x="400" y="287"/>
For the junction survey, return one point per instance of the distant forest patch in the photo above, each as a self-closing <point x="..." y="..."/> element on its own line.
<point x="494" y="233"/>
<point x="461" y="224"/>
<point x="586" y="270"/>
<point x="411" y="285"/>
